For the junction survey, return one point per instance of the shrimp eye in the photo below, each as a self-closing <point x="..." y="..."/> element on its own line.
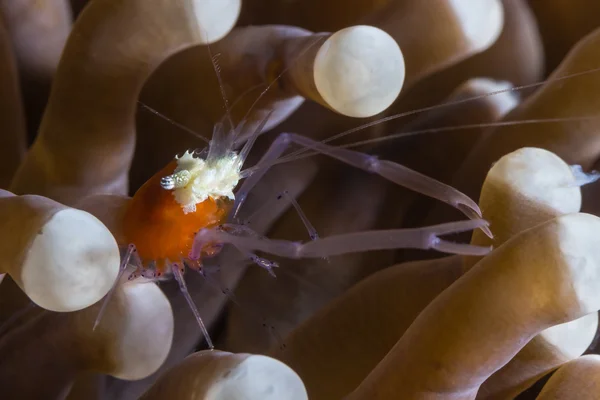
<point x="167" y="182"/>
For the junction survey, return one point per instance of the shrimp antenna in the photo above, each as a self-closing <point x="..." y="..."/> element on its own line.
<point x="225" y="143"/>
<point x="495" y="124"/>
<point x="444" y="105"/>
<point x="175" y="123"/>
<point x="272" y="83"/>
<point x="215" y="63"/>
<point x="248" y="146"/>
<point x="231" y="141"/>
<point x="294" y="156"/>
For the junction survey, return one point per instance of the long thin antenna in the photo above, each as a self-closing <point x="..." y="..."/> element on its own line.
<point x="295" y="156"/>
<point x="248" y="146"/>
<point x="233" y="132"/>
<point x="217" y="69"/>
<point x="270" y="85"/>
<point x="175" y="123"/>
<point x="447" y="104"/>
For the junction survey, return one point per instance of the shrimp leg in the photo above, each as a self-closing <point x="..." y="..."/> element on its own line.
<point x="389" y="170"/>
<point x="419" y="238"/>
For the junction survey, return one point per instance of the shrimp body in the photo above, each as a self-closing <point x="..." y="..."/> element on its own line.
<point x="160" y="223"/>
<point x="171" y="207"/>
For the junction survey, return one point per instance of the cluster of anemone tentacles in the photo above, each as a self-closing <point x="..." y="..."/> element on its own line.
<point x="97" y="96"/>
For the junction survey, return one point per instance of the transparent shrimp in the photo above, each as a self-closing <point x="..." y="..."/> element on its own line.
<point x="195" y="194"/>
<point x="187" y="211"/>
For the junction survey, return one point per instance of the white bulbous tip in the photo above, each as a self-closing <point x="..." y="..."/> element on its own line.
<point x="540" y="176"/>
<point x="215" y="18"/>
<point x="579" y="244"/>
<point x="71" y="264"/>
<point x="574" y="337"/>
<point x="260" y="377"/>
<point x="141" y="324"/>
<point x="359" y="71"/>
<point x="482" y="21"/>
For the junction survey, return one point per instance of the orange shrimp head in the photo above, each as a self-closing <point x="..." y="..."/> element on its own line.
<point x="187" y="195"/>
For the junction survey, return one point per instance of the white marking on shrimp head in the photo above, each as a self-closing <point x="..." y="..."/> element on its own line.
<point x="194" y="180"/>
